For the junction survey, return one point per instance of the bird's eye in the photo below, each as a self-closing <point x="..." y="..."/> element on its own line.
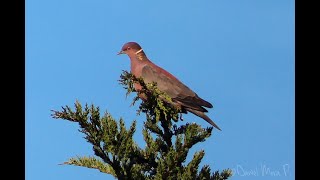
<point x="128" y="48"/>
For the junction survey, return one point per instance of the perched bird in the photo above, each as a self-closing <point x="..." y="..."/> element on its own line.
<point x="180" y="94"/>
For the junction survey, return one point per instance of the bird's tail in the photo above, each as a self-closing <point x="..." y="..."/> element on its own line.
<point x="203" y="116"/>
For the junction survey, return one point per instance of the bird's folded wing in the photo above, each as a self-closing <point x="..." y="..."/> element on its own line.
<point x="174" y="88"/>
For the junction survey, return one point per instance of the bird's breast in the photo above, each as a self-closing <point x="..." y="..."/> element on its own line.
<point x="136" y="68"/>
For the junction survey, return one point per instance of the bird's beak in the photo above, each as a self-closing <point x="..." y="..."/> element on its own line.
<point x="121" y="52"/>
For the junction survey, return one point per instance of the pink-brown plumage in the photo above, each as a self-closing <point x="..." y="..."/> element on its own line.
<point x="180" y="94"/>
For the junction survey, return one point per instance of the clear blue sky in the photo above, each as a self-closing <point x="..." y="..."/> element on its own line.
<point x="238" y="55"/>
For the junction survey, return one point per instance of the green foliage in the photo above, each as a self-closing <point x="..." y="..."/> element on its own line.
<point x="91" y="162"/>
<point x="167" y="145"/>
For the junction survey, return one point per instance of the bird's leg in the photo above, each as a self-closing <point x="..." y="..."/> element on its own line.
<point x="181" y="118"/>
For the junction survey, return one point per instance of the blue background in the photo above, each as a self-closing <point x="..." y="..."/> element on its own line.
<point x="238" y="55"/>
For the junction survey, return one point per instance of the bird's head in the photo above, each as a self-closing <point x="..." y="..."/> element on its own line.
<point x="130" y="48"/>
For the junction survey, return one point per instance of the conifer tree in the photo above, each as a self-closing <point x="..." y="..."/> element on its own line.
<point x="167" y="145"/>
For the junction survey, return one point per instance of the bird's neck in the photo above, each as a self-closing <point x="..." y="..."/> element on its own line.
<point x="137" y="60"/>
<point x="140" y="55"/>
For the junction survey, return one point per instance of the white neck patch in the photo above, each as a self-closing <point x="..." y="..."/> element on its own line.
<point x="139" y="51"/>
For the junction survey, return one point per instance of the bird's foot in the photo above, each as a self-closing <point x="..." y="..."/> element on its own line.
<point x="181" y="118"/>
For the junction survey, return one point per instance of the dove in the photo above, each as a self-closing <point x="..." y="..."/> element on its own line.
<point x="181" y="95"/>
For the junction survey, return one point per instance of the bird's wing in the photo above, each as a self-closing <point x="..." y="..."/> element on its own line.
<point x="174" y="88"/>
